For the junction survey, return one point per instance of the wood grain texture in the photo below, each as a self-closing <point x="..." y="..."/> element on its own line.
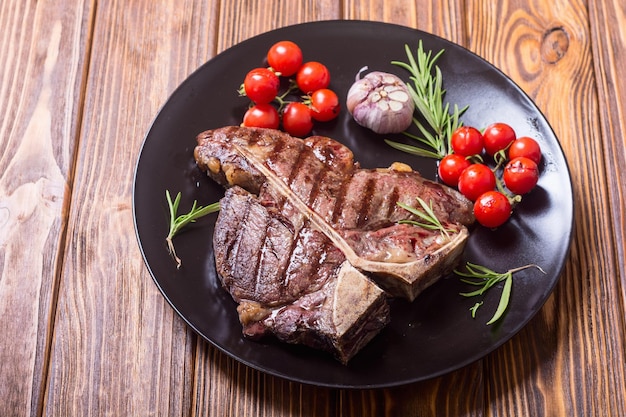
<point x="609" y="55"/>
<point x="443" y="18"/>
<point x="84" y="331"/>
<point x="545" y="47"/>
<point x="118" y="348"/>
<point x="42" y="47"/>
<point x="240" y="20"/>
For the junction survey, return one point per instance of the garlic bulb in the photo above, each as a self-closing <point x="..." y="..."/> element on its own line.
<point x="381" y="102"/>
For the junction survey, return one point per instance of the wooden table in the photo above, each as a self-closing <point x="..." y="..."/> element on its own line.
<point x="83" y="329"/>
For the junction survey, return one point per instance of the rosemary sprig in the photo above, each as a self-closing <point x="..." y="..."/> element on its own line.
<point x="474" y="308"/>
<point x="178" y="222"/>
<point x="430" y="220"/>
<point x="486" y="278"/>
<point x="427" y="93"/>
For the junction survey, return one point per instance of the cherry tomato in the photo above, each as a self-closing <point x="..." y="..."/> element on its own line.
<point x="492" y="209"/>
<point x="285" y="57"/>
<point x="525" y="146"/>
<point x="467" y="141"/>
<point x="312" y="76"/>
<point x="261" y="85"/>
<point x="476" y="180"/>
<point x="450" y="168"/>
<point x="262" y="115"/>
<point x="297" y="120"/>
<point x="497" y="137"/>
<point x="520" y="175"/>
<point x="324" y="105"/>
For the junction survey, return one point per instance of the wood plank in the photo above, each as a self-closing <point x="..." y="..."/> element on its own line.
<point x="609" y="58"/>
<point x="545" y="47"/>
<point x="443" y="18"/>
<point x="240" y="20"/>
<point x="43" y="47"/>
<point x="118" y="347"/>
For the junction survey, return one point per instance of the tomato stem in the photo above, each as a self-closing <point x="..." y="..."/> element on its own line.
<point x="281" y="99"/>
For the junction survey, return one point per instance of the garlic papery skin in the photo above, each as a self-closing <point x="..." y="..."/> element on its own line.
<point x="381" y="101"/>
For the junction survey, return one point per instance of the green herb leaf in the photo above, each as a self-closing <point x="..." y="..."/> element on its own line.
<point x="504" y="300"/>
<point x="178" y="222"/>
<point x="474" y="308"/>
<point x="427" y="93"/>
<point x="431" y="222"/>
<point x="486" y="278"/>
<point x="413" y="150"/>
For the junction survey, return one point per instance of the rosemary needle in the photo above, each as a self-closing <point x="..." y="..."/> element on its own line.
<point x="430" y="220"/>
<point x="178" y="222"/>
<point x="486" y="278"/>
<point x="427" y="92"/>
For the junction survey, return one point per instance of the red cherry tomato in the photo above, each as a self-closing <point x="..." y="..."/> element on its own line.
<point x="525" y="146"/>
<point x="262" y="115"/>
<point x="492" y="209"/>
<point x="450" y="168"/>
<point x="324" y="105"/>
<point x="285" y="57"/>
<point x="297" y="120"/>
<point x="497" y="137"/>
<point x="312" y="76"/>
<point x="467" y="141"/>
<point x="261" y="85"/>
<point x="476" y="180"/>
<point x="520" y="175"/>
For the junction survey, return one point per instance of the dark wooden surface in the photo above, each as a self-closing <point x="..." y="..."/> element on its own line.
<point x="84" y="330"/>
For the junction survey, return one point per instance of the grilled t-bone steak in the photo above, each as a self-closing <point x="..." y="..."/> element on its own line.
<point x="293" y="283"/>
<point x="302" y="229"/>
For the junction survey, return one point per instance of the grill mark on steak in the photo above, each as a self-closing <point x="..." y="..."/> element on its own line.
<point x="283" y="160"/>
<point x="363" y="214"/>
<point x="324" y="194"/>
<point x="301" y="207"/>
<point x="309" y="258"/>
<point x="348" y="212"/>
<point x="339" y="202"/>
<point x="298" y="169"/>
<point x="307" y="176"/>
<point x="244" y="259"/>
<point x="392" y="201"/>
<point x="231" y="250"/>
<point x="280" y="253"/>
<point x="317" y="223"/>
<point x="303" y="251"/>
<point x="234" y="144"/>
<point x="296" y="166"/>
<point x="283" y="271"/>
<point x="315" y="189"/>
<point x="273" y="255"/>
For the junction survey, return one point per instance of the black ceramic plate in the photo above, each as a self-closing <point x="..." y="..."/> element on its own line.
<point x="426" y="338"/>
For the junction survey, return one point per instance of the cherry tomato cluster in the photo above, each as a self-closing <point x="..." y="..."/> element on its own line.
<point x="494" y="191"/>
<point x="270" y="106"/>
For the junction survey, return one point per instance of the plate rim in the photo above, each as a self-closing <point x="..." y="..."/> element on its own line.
<point x="418" y="33"/>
